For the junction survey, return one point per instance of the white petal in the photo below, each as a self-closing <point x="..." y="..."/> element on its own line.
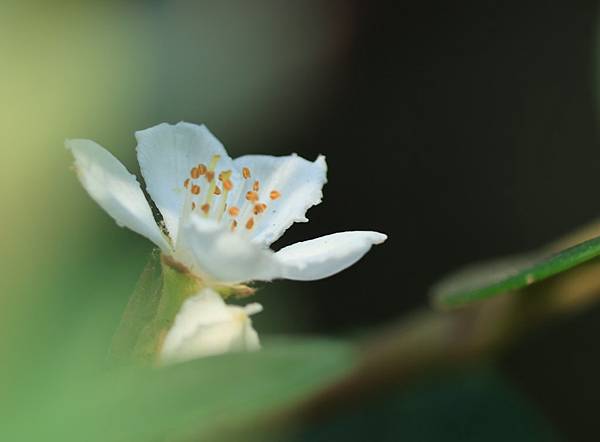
<point x="327" y="255"/>
<point x="213" y="252"/>
<point x="299" y="183"/>
<point x="166" y="154"/>
<point x="207" y="326"/>
<point x="115" y="189"/>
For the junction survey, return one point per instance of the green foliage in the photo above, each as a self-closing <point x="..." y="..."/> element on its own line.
<point x="55" y="387"/>
<point x="191" y="399"/>
<point x="486" y="280"/>
<point x="158" y="296"/>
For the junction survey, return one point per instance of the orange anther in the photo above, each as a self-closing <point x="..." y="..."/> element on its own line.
<point x="201" y="169"/>
<point x="250" y="223"/>
<point x="210" y="175"/>
<point x="186" y="183"/>
<point x="217" y="191"/>
<point x="205" y="208"/>
<point x="274" y="194"/>
<point x="234" y="211"/>
<point x="224" y="175"/>
<point x="227" y="185"/>
<point x="256" y="186"/>
<point x="196" y="189"/>
<point x="195" y="173"/>
<point x="234" y="224"/>
<point x="259" y="208"/>
<point x="252" y="196"/>
<point x="193" y="205"/>
<point x="246" y="173"/>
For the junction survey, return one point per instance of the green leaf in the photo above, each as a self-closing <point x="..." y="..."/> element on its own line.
<point x="140" y="311"/>
<point x="483" y="281"/>
<point x="156" y="300"/>
<point x="198" y="398"/>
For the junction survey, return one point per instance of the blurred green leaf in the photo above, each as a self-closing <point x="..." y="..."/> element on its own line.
<point x="140" y="311"/>
<point x="194" y="399"/>
<point x="482" y="281"/>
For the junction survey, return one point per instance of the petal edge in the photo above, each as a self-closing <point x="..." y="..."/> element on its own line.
<point x="325" y="256"/>
<point x="116" y="190"/>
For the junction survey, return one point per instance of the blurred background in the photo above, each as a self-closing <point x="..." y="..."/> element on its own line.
<point x="462" y="130"/>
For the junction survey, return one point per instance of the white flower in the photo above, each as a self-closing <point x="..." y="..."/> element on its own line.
<point x="207" y="326"/>
<point x="219" y="215"/>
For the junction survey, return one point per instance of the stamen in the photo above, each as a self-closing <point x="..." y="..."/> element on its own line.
<point x="225" y="175"/>
<point x="244" y="192"/>
<point x="210" y="175"/>
<point x="196" y="189"/>
<point x="205" y="208"/>
<point x="234" y="211"/>
<point x="274" y="195"/>
<point x="195" y="173"/>
<point x="259" y="208"/>
<point x="201" y="169"/>
<point x="186" y="183"/>
<point x="227" y="186"/>
<point x="217" y="191"/>
<point x="213" y="162"/>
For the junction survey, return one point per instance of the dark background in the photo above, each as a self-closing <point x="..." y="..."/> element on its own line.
<point x="462" y="130"/>
<point x="465" y="131"/>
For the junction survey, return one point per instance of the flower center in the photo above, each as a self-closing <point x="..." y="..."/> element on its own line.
<point x="209" y="193"/>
